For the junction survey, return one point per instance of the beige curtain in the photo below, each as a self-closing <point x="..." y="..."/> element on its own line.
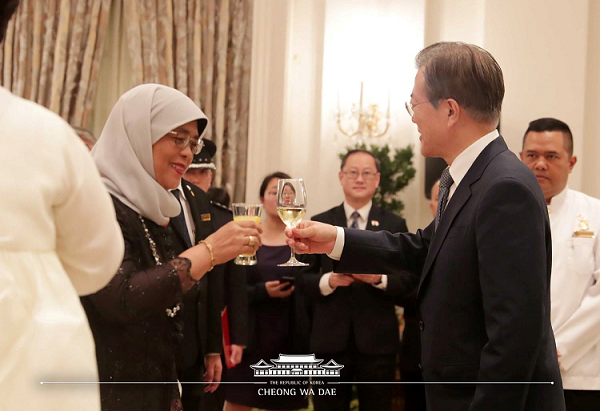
<point x="202" y="48"/>
<point x="52" y="53"/>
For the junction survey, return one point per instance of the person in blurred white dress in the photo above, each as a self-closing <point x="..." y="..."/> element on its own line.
<point x="59" y="239"/>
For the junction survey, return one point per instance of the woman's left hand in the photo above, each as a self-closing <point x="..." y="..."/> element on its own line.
<point x="275" y="289"/>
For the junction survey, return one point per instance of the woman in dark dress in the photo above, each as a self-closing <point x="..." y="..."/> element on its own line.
<point x="147" y="144"/>
<point x="277" y="317"/>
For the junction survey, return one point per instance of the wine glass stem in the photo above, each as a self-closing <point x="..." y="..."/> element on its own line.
<point x="293" y="256"/>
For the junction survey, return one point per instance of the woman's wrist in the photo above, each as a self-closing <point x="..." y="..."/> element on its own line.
<point x="201" y="260"/>
<point x="210" y="252"/>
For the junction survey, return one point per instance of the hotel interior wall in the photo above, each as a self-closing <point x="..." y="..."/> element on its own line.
<point x="312" y="50"/>
<point x="305" y="51"/>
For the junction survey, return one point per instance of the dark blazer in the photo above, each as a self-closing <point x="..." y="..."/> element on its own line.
<point x="484" y="296"/>
<point x="230" y="285"/>
<point x="360" y="308"/>
<point x="202" y="322"/>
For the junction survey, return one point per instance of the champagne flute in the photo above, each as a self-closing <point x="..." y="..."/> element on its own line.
<point x="291" y="207"/>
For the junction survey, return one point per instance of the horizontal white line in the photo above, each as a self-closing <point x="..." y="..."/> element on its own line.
<point x="328" y="382"/>
<point x="443" y="382"/>
<point x="148" y="382"/>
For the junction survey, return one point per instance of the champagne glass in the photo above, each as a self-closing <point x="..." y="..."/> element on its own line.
<point x="291" y="207"/>
<point x="246" y="212"/>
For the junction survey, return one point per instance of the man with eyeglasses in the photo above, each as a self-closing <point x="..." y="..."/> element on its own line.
<point x="483" y="263"/>
<point x="354" y="321"/>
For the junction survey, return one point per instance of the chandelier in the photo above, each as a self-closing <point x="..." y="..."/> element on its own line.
<point x="363" y="123"/>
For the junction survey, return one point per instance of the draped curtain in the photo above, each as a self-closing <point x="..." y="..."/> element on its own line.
<point x="53" y="49"/>
<point x="202" y="48"/>
<point x="51" y="54"/>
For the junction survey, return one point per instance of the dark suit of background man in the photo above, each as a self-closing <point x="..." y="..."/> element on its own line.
<point x="484" y="267"/>
<point x="227" y="282"/>
<point x="354" y="319"/>
<point x="200" y="349"/>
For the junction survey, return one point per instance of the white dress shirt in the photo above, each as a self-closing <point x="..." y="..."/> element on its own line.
<point x="574" y="287"/>
<point x="458" y="169"/>
<point x="463" y="162"/>
<point x="362" y="225"/>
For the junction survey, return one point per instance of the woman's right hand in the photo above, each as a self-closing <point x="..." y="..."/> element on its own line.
<point x="233" y="239"/>
<point x="275" y="289"/>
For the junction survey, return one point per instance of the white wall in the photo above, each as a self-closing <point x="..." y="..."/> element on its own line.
<point x="541" y="46"/>
<point x="460" y="20"/>
<point x="588" y="159"/>
<point x="269" y="65"/>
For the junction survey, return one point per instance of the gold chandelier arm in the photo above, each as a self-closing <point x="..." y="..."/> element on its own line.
<point x="385" y="130"/>
<point x="352" y="134"/>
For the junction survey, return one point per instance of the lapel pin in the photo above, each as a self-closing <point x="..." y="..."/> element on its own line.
<point x="190" y="190"/>
<point x="375" y="223"/>
<point x="584" y="229"/>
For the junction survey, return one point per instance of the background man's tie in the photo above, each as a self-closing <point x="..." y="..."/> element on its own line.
<point x="179" y="222"/>
<point x="354" y="218"/>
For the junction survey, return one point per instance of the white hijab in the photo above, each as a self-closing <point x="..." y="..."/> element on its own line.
<point x="123" y="153"/>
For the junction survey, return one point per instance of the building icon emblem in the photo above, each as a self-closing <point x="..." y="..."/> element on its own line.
<point x="304" y="365"/>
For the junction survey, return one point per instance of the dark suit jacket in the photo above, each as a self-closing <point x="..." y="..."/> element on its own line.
<point x="202" y="321"/>
<point x="360" y="308"/>
<point x="484" y="296"/>
<point x="230" y="285"/>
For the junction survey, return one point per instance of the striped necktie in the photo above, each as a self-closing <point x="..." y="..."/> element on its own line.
<point x="446" y="182"/>
<point x="354" y="216"/>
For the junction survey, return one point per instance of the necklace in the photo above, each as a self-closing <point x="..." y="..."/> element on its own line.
<point x="171" y="312"/>
<point x="151" y="241"/>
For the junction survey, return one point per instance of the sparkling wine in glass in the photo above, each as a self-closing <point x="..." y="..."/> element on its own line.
<point x="291" y="207"/>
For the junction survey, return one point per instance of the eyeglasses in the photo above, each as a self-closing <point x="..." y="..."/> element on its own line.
<point x="354" y="174"/>
<point x="410" y="107"/>
<point x="182" y="139"/>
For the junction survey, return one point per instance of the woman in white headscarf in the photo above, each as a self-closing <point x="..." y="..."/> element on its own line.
<point x="146" y="146"/>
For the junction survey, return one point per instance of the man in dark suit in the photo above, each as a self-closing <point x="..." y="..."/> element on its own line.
<point x="484" y="262"/>
<point x="198" y="358"/>
<point x="227" y="282"/>
<point x="354" y="318"/>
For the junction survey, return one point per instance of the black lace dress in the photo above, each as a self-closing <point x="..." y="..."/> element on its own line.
<point x="135" y="320"/>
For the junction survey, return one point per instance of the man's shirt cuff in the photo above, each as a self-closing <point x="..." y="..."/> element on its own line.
<point x="324" y="284"/>
<point x="338" y="247"/>
<point x="383" y="284"/>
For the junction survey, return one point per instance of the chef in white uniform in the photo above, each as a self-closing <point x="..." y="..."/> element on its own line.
<point x="574" y="287"/>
